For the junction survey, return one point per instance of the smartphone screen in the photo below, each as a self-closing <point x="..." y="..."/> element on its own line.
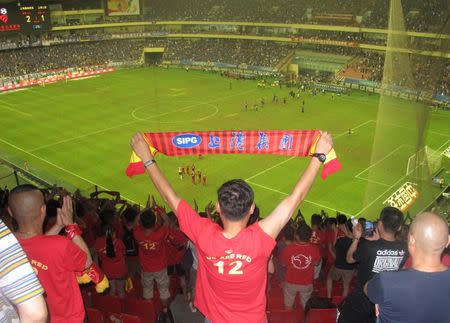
<point x="369" y="229"/>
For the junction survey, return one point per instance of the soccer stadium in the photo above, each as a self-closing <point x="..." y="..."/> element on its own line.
<point x="335" y="115"/>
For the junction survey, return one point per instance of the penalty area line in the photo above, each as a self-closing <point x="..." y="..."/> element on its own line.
<point x="10" y="107"/>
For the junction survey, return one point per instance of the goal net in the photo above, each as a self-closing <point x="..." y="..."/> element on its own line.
<point x="426" y="157"/>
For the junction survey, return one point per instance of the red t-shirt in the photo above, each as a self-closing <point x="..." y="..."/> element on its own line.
<point x="319" y="238"/>
<point x="299" y="260"/>
<point x="55" y="259"/>
<point x="232" y="273"/>
<point x="114" y="268"/>
<point x="152" y="248"/>
<point x="176" y="246"/>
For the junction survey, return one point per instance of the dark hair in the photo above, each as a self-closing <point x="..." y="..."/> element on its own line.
<point x="316" y="219"/>
<point x="130" y="214"/>
<point x="254" y="217"/>
<point x="51" y="208"/>
<point x="107" y="216"/>
<point x="331" y="221"/>
<point x="148" y="219"/>
<point x="304" y="232"/>
<point x="203" y="215"/>
<point x="392" y="219"/>
<point x="172" y="217"/>
<point x="80" y="209"/>
<point x="289" y="231"/>
<point x="108" y="232"/>
<point x="23" y="188"/>
<point x="349" y="225"/>
<point x="341" y="218"/>
<point x="235" y="199"/>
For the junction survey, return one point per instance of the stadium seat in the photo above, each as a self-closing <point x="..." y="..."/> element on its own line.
<point x="144" y="309"/>
<point x="94" y="315"/>
<point x="285" y="316"/>
<point x="321" y="315"/>
<point x="107" y="303"/>
<point x="121" y="318"/>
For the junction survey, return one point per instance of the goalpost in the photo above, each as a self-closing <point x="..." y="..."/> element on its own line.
<point x="427" y="157"/>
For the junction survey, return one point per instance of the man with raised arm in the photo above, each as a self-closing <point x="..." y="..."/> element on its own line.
<point x="232" y="262"/>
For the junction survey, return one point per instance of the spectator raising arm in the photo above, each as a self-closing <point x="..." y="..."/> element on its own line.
<point x="357" y="233"/>
<point x="140" y="147"/>
<point x="64" y="218"/>
<point x="273" y="224"/>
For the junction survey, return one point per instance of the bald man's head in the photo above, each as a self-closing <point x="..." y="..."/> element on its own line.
<point x="430" y="233"/>
<point x="25" y="203"/>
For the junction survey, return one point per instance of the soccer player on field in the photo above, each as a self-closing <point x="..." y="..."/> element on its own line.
<point x="204" y="180"/>
<point x="232" y="262"/>
<point x="180" y="172"/>
<point x="199" y="174"/>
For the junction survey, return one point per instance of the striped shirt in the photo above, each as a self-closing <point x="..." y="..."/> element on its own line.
<point x="18" y="282"/>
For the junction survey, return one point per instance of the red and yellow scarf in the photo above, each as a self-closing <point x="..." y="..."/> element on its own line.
<point x="299" y="143"/>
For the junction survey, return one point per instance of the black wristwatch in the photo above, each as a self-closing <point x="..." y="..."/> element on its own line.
<point x="321" y="157"/>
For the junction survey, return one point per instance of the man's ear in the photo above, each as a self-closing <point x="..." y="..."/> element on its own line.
<point x="218" y="208"/>
<point x="448" y="242"/>
<point x="252" y="209"/>
<point x="412" y="243"/>
<point x="43" y="211"/>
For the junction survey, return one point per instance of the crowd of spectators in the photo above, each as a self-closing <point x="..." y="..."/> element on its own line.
<point x="426" y="74"/>
<point x="419" y="15"/>
<point x="146" y="244"/>
<point x="32" y="60"/>
<point x="68" y="54"/>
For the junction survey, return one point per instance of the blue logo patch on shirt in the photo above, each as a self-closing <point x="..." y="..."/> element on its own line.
<point x="187" y="140"/>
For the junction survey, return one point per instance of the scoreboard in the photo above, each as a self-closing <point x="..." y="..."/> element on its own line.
<point x="25" y="18"/>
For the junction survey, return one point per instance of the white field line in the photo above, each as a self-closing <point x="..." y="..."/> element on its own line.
<point x="396" y="183"/>
<point x="61" y="168"/>
<point x="15" y="90"/>
<point x="406" y="127"/>
<point x="378" y="161"/>
<point x="307" y="201"/>
<point x="134" y="121"/>
<point x="372" y="181"/>
<point x="10" y="107"/>
<point x="285" y="161"/>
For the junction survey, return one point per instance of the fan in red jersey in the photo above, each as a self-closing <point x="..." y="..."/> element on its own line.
<point x="232" y="261"/>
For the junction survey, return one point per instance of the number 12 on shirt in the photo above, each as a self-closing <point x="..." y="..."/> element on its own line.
<point x="233" y="268"/>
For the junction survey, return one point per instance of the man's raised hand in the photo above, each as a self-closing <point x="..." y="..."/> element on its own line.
<point x="65" y="213"/>
<point x="140" y="147"/>
<point x="324" y="144"/>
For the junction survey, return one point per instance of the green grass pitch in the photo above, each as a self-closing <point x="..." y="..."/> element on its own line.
<point x="77" y="134"/>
